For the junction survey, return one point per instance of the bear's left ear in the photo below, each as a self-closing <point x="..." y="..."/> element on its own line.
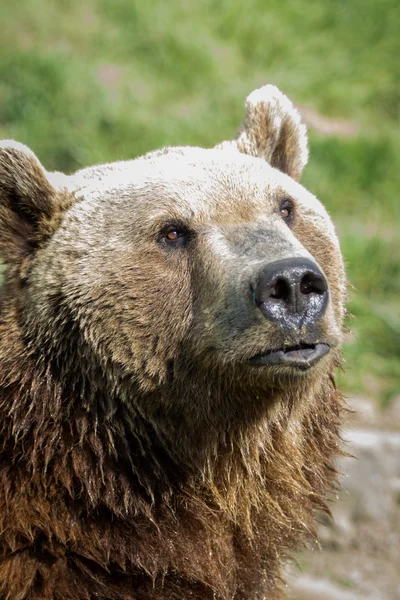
<point x="29" y="204"/>
<point x="272" y="130"/>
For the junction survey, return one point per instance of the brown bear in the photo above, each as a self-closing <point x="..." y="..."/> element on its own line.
<point x="169" y="331"/>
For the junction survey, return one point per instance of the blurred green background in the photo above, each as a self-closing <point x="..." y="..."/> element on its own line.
<point x="99" y="80"/>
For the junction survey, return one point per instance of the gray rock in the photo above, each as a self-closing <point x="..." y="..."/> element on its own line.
<point x="371" y="479"/>
<point x="310" y="588"/>
<point x="392" y="413"/>
<point x="366" y="411"/>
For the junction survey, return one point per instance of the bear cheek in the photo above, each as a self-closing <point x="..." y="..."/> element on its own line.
<point x="156" y="319"/>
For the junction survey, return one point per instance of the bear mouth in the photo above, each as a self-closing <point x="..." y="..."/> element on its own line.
<point x="303" y="356"/>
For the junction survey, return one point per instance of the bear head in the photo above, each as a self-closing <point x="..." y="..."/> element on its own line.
<point x="181" y="280"/>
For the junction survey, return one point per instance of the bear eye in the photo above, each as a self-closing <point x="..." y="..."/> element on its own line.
<point x="174" y="235"/>
<point x="286" y="210"/>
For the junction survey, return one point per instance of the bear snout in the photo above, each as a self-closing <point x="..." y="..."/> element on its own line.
<point x="291" y="292"/>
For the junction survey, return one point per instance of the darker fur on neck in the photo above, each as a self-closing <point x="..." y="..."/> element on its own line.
<point x="104" y="499"/>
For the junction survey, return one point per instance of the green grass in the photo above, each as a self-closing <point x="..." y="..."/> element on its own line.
<point x="108" y="79"/>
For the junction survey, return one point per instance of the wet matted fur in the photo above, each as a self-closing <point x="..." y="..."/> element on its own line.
<point x="142" y="457"/>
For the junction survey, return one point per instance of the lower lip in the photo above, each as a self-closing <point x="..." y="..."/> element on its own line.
<point x="299" y="359"/>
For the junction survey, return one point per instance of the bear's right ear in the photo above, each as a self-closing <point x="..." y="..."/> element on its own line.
<point x="28" y="203"/>
<point x="272" y="130"/>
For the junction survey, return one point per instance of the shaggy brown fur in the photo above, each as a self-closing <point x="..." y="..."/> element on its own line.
<point x="140" y="456"/>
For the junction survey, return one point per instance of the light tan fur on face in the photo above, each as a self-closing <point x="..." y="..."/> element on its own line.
<point x="141" y="457"/>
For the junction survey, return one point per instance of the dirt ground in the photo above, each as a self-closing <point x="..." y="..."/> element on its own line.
<point x="359" y="553"/>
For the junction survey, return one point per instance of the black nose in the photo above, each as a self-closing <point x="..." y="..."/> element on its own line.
<point x="292" y="292"/>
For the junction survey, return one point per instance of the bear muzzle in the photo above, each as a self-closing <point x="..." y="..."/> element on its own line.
<point x="292" y="293"/>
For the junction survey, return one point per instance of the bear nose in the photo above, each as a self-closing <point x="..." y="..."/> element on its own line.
<point x="292" y="292"/>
